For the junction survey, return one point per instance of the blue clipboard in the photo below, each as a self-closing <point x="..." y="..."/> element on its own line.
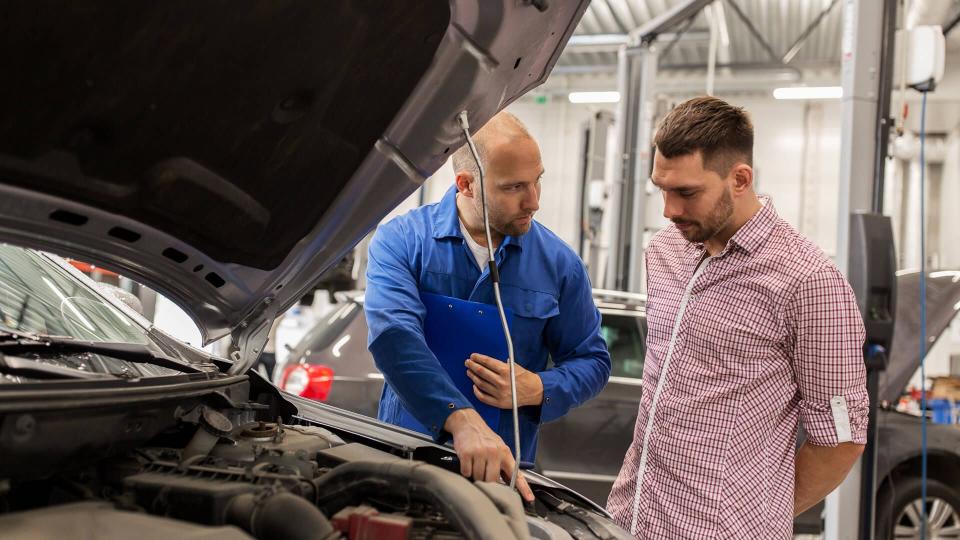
<point x="455" y="329"/>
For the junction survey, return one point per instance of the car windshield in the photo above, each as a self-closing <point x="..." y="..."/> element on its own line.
<point x="38" y="297"/>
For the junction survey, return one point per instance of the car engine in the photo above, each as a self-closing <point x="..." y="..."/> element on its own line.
<point x="222" y="473"/>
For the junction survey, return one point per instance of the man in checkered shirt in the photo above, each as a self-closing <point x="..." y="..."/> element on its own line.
<point x="751" y="329"/>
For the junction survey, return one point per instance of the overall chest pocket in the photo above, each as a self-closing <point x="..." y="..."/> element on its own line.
<point x="531" y="311"/>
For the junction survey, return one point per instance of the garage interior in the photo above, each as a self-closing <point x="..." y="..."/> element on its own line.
<point x="851" y="151"/>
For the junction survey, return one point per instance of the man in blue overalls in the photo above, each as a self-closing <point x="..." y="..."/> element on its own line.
<point x="442" y="249"/>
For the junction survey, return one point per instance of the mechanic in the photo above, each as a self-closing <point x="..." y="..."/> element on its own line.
<point x="442" y="249"/>
<point x="751" y="328"/>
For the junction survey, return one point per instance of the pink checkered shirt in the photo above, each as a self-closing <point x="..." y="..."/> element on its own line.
<point x="767" y="332"/>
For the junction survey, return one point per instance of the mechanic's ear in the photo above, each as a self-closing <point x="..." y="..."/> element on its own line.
<point x="465" y="183"/>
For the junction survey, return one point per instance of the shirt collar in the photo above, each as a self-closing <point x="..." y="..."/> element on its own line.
<point x="447" y="221"/>
<point x="753" y="233"/>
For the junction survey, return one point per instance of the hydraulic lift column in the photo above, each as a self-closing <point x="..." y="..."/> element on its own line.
<point x="637" y="73"/>
<point x="869" y="28"/>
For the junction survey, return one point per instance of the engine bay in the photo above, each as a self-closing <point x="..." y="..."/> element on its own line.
<point x="220" y="468"/>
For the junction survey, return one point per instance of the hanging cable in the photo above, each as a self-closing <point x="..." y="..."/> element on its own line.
<point x="495" y="279"/>
<point x="923" y="318"/>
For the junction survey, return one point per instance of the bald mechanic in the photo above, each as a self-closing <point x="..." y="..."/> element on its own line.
<point x="442" y="249"/>
<point x="751" y="329"/>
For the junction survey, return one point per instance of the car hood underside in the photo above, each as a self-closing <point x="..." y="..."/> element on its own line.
<point x="228" y="156"/>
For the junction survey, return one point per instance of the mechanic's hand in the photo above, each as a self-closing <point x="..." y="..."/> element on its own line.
<point x="491" y="382"/>
<point x="483" y="454"/>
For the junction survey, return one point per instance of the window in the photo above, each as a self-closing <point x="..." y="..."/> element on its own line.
<point x="38" y="297"/>
<point x="624" y="335"/>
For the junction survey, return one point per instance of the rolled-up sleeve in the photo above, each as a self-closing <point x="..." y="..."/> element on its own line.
<point x="395" y="316"/>
<point x="828" y="359"/>
<point x="581" y="361"/>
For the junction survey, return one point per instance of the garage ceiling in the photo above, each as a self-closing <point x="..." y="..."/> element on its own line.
<point x="780" y="23"/>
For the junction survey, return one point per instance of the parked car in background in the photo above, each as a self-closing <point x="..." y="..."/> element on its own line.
<point x="585" y="448"/>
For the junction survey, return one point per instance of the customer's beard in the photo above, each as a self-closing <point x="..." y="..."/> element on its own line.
<point x="716" y="221"/>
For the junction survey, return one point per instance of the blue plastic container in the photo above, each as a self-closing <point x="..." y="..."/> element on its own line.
<point x="942" y="411"/>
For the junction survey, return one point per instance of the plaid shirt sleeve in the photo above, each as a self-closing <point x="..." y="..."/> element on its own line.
<point x="828" y="365"/>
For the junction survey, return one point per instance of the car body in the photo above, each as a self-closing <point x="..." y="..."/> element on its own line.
<point x="226" y="157"/>
<point x="603" y="427"/>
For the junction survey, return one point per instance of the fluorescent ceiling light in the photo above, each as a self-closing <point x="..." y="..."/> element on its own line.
<point x="598" y="39"/>
<point x="594" y="97"/>
<point x="809" y="92"/>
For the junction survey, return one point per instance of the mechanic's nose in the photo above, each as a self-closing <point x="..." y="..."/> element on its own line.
<point x="531" y="202"/>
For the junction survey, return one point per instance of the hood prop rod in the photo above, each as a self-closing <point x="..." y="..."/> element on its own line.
<point x="495" y="279"/>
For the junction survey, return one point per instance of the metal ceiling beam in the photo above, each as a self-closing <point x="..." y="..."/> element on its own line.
<point x="744" y="66"/>
<point x="753" y="30"/>
<point x="952" y="21"/>
<point x="751" y="66"/>
<point x="673" y="42"/>
<point x="802" y="40"/>
<point x="611" y="42"/>
<point x="592" y="69"/>
<point x="667" y="20"/>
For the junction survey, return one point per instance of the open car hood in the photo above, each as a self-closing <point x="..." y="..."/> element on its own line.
<point x="227" y="155"/>
<point x="943" y="302"/>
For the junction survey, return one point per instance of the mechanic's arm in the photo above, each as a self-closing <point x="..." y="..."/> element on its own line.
<point x="395" y="316"/>
<point x="819" y="470"/>
<point x="581" y="361"/>
<point x="831" y="378"/>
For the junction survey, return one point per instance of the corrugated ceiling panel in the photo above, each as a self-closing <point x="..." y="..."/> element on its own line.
<point x="780" y="22"/>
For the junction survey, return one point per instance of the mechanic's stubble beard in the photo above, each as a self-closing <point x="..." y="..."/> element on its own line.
<point x="504" y="225"/>
<point x="716" y="221"/>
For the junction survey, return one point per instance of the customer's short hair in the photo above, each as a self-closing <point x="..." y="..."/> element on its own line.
<point x="722" y="133"/>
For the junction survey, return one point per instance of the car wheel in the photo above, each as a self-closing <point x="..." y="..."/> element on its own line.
<point x="900" y="507"/>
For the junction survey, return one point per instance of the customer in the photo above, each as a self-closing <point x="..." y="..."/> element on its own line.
<point x="751" y="329"/>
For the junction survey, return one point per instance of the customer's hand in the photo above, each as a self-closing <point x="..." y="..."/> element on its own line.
<point x="482" y="453"/>
<point x="491" y="382"/>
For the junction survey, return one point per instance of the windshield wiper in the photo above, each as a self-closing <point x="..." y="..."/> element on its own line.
<point x="11" y="343"/>
<point x="23" y="367"/>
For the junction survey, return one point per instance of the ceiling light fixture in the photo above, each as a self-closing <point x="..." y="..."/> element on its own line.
<point x="594" y="97"/>
<point x="809" y="92"/>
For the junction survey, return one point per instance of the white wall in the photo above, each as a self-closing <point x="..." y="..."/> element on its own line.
<point x="558" y="128"/>
<point x="796" y="158"/>
<point x="778" y="160"/>
<point x="798" y="166"/>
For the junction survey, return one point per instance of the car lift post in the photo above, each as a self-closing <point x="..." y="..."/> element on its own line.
<point x="867" y="56"/>
<point x="636" y="80"/>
